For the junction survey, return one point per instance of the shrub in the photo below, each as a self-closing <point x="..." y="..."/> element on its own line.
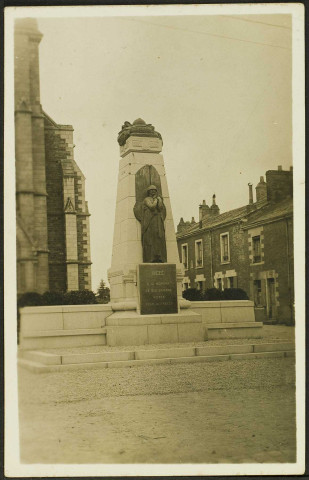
<point x="234" y="294"/>
<point x="103" y="293"/>
<point x="53" y="298"/>
<point x="79" y="297"/>
<point x="192" y="294"/>
<point x="212" y="294"/>
<point x="30" y="299"/>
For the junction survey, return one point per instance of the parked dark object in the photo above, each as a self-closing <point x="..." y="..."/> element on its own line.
<point x="234" y="294"/>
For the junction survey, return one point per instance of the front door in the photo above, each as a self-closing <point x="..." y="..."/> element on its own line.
<point x="271" y="299"/>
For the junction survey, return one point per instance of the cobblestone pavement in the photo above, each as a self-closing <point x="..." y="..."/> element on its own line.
<point x="221" y="412"/>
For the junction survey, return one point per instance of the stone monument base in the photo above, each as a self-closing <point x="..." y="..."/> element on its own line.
<point x="130" y="328"/>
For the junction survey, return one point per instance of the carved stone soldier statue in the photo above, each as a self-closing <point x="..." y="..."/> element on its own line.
<point x="153" y="214"/>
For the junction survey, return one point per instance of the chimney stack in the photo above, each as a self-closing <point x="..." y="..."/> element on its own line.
<point x="279" y="184"/>
<point x="214" y="209"/>
<point x="261" y="192"/>
<point x="203" y="211"/>
<point x="250" y="194"/>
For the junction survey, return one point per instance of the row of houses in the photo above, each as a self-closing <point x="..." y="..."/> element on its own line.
<point x="250" y="247"/>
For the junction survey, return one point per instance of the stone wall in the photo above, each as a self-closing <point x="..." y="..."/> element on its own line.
<point x="213" y="268"/>
<point x="32" y="264"/>
<point x="53" y="251"/>
<point x="68" y="215"/>
<point x="277" y="267"/>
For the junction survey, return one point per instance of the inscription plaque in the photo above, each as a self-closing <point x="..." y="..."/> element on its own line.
<point x="157" y="288"/>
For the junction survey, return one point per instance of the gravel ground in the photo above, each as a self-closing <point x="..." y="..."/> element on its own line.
<point x="271" y="334"/>
<point x="229" y="412"/>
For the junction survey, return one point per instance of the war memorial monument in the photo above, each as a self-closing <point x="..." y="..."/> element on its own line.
<point x="146" y="305"/>
<point x="146" y="275"/>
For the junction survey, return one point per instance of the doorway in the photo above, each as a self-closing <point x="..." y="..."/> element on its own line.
<point x="271" y="299"/>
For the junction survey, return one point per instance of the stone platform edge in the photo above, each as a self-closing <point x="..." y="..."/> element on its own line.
<point x="43" y="362"/>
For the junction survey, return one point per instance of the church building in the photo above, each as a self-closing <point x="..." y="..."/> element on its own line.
<point x="53" y="243"/>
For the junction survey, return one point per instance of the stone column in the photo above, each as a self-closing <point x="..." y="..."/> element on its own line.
<point x="70" y="233"/>
<point x="140" y="145"/>
<point x="30" y="152"/>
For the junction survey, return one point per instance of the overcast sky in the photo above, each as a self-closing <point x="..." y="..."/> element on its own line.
<point x="217" y="88"/>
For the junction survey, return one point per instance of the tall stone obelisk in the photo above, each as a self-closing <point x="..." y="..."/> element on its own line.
<point x="140" y="166"/>
<point x="140" y="145"/>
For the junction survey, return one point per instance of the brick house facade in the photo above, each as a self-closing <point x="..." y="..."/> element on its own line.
<point x="250" y="247"/>
<point x="53" y="244"/>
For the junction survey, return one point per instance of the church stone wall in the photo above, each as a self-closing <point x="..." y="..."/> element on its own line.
<point x="53" y="251"/>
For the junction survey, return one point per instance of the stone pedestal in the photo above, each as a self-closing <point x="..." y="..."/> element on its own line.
<point x="140" y="146"/>
<point x="129" y="328"/>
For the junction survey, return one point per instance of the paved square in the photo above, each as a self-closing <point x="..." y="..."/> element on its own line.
<point x="222" y="412"/>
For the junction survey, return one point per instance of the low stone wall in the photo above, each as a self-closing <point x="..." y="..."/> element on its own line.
<point x="80" y="325"/>
<point x="227" y="311"/>
<point x="229" y="319"/>
<point x="65" y="325"/>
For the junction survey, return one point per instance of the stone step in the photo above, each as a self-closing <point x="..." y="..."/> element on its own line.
<point x="217" y="331"/>
<point x="42" y="362"/>
<point x="61" y="333"/>
<point x="40" y="339"/>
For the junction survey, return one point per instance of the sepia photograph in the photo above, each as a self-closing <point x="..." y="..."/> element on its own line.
<point x="154" y="240"/>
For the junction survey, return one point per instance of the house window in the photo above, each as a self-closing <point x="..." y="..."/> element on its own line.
<point x="230" y="282"/>
<point x="256" y="243"/>
<point x="225" y="248"/>
<point x="185" y="286"/>
<point x="184" y="255"/>
<point x="219" y="283"/>
<point x="199" y="285"/>
<point x="199" y="253"/>
<point x="257" y="291"/>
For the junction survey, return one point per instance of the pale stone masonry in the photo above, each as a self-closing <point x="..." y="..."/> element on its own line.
<point x="53" y="243"/>
<point x="136" y="152"/>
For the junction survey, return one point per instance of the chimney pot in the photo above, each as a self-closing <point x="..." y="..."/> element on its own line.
<point x="262" y="179"/>
<point x="280" y="168"/>
<point x="291" y="169"/>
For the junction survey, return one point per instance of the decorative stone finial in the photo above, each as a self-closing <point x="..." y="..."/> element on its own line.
<point x="139" y="128"/>
<point x="139" y="121"/>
